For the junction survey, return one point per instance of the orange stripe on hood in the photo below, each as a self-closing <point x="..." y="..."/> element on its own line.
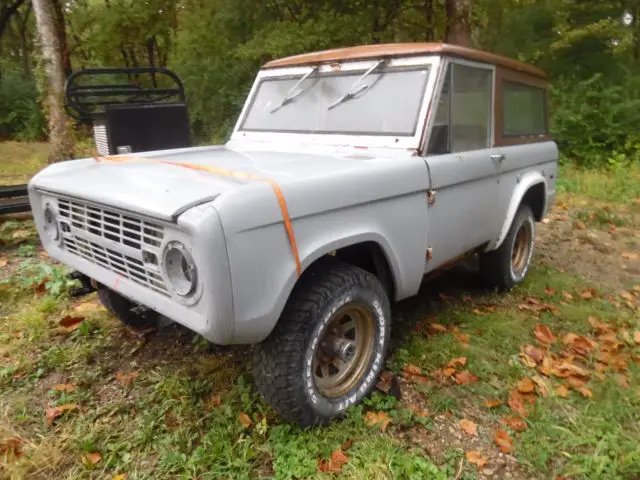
<point x="224" y="172"/>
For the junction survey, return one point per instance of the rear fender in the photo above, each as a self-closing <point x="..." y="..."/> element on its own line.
<point x="528" y="180"/>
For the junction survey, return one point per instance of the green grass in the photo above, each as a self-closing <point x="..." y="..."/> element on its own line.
<point x="19" y="161"/>
<point x="619" y="185"/>
<point x="180" y="416"/>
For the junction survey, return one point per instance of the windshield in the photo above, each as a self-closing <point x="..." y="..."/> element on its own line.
<point x="384" y="102"/>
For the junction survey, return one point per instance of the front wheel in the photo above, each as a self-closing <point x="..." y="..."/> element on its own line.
<point x="508" y="265"/>
<point x="327" y="348"/>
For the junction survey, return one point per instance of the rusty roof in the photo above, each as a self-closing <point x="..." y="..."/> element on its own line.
<point x="363" y="52"/>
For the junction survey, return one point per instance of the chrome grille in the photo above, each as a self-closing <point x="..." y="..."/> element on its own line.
<point x="110" y="224"/>
<point x="137" y="242"/>
<point x="125" y="265"/>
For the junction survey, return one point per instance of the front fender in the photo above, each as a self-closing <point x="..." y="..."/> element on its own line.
<point x="529" y="180"/>
<point x="263" y="270"/>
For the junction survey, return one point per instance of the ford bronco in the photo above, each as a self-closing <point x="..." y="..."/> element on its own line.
<point x="350" y="174"/>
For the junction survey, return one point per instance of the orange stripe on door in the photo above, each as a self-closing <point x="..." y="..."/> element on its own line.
<point x="224" y="172"/>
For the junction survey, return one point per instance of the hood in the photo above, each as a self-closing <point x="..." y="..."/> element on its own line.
<point x="153" y="186"/>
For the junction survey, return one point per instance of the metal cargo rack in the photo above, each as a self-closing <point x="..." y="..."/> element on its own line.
<point x="130" y="110"/>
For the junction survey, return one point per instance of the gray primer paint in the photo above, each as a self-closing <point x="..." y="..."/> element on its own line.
<point x="337" y="195"/>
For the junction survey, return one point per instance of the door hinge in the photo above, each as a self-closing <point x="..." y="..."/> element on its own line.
<point x="431" y="197"/>
<point x="429" y="253"/>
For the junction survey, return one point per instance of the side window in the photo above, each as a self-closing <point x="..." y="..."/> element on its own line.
<point x="463" y="118"/>
<point x="525" y="112"/>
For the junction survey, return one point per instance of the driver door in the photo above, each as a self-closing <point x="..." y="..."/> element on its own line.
<point x="463" y="164"/>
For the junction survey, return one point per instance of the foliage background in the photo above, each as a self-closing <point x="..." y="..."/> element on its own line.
<point x="591" y="51"/>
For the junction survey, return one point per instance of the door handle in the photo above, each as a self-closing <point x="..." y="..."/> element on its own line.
<point x="497" y="157"/>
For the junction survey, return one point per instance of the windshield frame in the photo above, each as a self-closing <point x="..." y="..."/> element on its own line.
<point x="378" y="140"/>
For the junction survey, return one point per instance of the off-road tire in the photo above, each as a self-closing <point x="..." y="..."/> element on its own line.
<point x="282" y="362"/>
<point x="496" y="267"/>
<point x="126" y="310"/>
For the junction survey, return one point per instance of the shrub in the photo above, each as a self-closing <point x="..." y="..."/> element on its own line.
<point x="595" y="121"/>
<point x="21" y="116"/>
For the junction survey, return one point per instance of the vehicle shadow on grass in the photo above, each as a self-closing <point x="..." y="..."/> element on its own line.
<point x="462" y="281"/>
<point x="172" y="340"/>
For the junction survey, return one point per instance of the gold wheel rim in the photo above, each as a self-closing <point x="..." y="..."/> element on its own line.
<point x="344" y="352"/>
<point x="521" y="249"/>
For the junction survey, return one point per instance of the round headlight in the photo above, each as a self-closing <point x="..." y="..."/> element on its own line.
<point x="51" y="224"/>
<point x="180" y="268"/>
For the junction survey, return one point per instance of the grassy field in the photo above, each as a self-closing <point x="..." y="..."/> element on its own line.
<point x="542" y="382"/>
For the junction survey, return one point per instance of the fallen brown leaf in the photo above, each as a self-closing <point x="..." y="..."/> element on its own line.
<point x="543" y="334"/>
<point x="3" y="261"/>
<point x="437" y="328"/>
<point x="585" y="392"/>
<point x="575" y="382"/>
<point x="629" y="255"/>
<point x="64" y="387"/>
<point x="93" y="457"/>
<point x="526" y="385"/>
<point x="11" y="448"/>
<point x="448" y="371"/>
<point x="469" y="427"/>
<point x="334" y="464"/>
<point x="462" y="337"/>
<point x="541" y="385"/>
<point x="412" y="369"/>
<point x="465" y="377"/>
<point x="384" y="381"/>
<point x="515" y="423"/>
<point x="88" y="307"/>
<point x="562" y="391"/>
<point x="475" y="458"/>
<point x="462" y="361"/>
<point x="588" y="293"/>
<point x="549" y="291"/>
<point x="420" y="379"/>
<point x="245" y="420"/>
<point x="516" y="403"/>
<point x="492" y="403"/>
<point x="70" y="323"/>
<point x="126" y="378"/>
<point x="567" y="295"/>
<point x="636" y="337"/>
<point x="504" y="441"/>
<point x="380" y="419"/>
<point x="579" y="225"/>
<point x="53" y="413"/>
<point x="346" y="445"/>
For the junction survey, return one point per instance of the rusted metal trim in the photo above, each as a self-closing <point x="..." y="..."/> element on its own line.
<point x="363" y="52"/>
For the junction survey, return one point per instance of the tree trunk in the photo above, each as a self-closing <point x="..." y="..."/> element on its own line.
<point x="60" y="141"/>
<point x="61" y="32"/>
<point x="458" y="29"/>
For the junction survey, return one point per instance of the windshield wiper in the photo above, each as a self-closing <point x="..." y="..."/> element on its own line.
<point x="295" y="92"/>
<point x="355" y="88"/>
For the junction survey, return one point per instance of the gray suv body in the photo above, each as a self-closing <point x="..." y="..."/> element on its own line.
<point x="350" y="175"/>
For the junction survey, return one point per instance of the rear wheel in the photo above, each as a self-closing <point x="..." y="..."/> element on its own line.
<point x="508" y="265"/>
<point x="328" y="347"/>
<point x="128" y="312"/>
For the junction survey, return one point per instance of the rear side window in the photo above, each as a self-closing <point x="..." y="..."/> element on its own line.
<point x="525" y="110"/>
